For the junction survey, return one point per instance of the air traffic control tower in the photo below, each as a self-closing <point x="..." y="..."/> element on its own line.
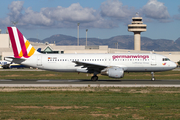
<point x="137" y="27"/>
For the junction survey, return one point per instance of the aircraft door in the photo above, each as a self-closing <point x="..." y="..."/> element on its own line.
<point x="153" y="60"/>
<point x="39" y="60"/>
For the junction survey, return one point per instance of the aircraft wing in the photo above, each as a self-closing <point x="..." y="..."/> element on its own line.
<point x="91" y="67"/>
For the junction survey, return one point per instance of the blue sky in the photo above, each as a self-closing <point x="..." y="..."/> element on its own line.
<point x="103" y="18"/>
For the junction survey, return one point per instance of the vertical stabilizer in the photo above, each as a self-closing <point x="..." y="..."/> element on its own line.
<point x="20" y="45"/>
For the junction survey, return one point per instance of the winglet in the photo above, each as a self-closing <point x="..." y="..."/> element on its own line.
<point x="21" y="46"/>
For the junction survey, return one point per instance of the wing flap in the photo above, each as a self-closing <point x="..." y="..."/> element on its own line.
<point x="91" y="67"/>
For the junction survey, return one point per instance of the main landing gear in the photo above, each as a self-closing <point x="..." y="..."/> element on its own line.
<point x="94" y="78"/>
<point x="153" y="78"/>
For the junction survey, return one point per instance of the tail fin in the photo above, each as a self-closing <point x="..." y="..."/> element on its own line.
<point x="21" y="46"/>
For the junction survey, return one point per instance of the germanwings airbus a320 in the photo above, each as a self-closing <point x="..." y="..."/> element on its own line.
<point x="112" y="65"/>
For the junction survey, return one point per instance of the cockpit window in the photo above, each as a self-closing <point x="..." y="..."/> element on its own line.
<point x="166" y="59"/>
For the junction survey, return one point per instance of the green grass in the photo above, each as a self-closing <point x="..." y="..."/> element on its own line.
<point x="171" y="75"/>
<point x="96" y="103"/>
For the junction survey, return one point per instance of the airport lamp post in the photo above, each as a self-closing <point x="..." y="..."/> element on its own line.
<point x="116" y="45"/>
<point x="86" y="36"/>
<point x="14" y="23"/>
<point x="78" y="34"/>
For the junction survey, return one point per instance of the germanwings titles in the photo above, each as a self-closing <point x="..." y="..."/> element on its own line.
<point x="112" y="65"/>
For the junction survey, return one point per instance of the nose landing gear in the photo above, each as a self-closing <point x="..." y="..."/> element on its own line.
<point x="153" y="78"/>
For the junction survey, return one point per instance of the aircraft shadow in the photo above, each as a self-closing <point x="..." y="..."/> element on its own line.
<point x="83" y="80"/>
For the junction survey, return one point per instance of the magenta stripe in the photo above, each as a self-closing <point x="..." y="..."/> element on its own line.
<point x="23" y="46"/>
<point x="13" y="43"/>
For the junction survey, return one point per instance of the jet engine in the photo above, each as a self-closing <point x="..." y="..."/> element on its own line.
<point x="114" y="72"/>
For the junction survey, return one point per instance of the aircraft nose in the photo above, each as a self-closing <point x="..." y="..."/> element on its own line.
<point x="174" y="65"/>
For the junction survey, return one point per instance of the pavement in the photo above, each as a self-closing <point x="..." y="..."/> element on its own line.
<point x="89" y="83"/>
<point x="86" y="83"/>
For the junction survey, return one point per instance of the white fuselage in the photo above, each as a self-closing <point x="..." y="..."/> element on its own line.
<point x="129" y="62"/>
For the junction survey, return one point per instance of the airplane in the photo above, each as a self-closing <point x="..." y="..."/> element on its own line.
<point x="112" y="65"/>
<point x="4" y="64"/>
<point x="7" y="64"/>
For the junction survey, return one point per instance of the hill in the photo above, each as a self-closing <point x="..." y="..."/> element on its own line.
<point x="124" y="42"/>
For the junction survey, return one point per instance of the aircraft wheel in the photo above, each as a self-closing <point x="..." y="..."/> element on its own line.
<point x="94" y="78"/>
<point x="153" y="79"/>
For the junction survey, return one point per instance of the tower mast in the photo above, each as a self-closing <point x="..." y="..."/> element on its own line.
<point x="137" y="27"/>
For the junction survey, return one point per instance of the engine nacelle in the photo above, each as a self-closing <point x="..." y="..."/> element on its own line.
<point x="114" y="72"/>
